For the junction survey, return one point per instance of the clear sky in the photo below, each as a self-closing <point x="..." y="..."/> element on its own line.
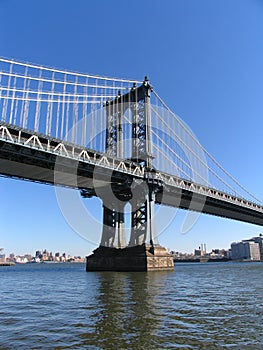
<point x="204" y="58"/>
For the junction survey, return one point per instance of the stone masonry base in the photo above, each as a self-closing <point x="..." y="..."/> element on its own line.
<point x="139" y="258"/>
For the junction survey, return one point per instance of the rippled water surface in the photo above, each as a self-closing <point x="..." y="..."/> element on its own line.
<point x="198" y="306"/>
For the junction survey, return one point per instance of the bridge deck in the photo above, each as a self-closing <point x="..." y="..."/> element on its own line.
<point x="31" y="156"/>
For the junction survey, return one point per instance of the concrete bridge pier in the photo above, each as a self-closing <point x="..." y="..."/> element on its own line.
<point x="143" y="252"/>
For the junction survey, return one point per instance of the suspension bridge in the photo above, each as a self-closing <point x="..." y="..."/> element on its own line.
<point x="118" y="140"/>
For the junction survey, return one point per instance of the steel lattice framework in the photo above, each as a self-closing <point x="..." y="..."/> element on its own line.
<point x="119" y="124"/>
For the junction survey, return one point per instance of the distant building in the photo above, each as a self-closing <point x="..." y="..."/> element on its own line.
<point x="254" y="250"/>
<point x="229" y="254"/>
<point x="39" y="254"/>
<point x="21" y="259"/>
<point x="219" y="253"/>
<point x="245" y="250"/>
<point x="197" y="252"/>
<point x="28" y="257"/>
<point x="203" y="249"/>
<point x="258" y="240"/>
<point x="11" y="258"/>
<point x="2" y="258"/>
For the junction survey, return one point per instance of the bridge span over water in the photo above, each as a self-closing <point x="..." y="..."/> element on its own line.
<point x="115" y="139"/>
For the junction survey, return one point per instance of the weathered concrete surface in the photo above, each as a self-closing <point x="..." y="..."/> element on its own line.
<point x="138" y="258"/>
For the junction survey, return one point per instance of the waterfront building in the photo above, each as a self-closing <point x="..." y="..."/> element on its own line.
<point x="10" y="258"/>
<point x="28" y="257"/>
<point x="2" y="258"/>
<point x="229" y="254"/>
<point x="21" y="259"/>
<point x="219" y="253"/>
<point x="203" y="249"/>
<point x="38" y="254"/>
<point x="245" y="250"/>
<point x="258" y="240"/>
<point x="254" y="250"/>
<point x="197" y="252"/>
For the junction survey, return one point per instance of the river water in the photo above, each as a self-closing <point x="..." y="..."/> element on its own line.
<point x="198" y="306"/>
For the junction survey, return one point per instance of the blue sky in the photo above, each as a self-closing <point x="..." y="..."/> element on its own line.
<point x="204" y="58"/>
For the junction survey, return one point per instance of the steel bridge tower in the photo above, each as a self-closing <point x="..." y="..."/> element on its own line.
<point x="142" y="251"/>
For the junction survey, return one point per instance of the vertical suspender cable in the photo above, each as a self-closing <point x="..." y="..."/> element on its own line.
<point x="5" y="107"/>
<point x="57" y="117"/>
<point x="101" y="131"/>
<point x="75" y="112"/>
<point x="48" y="114"/>
<point x="68" y="124"/>
<point x="49" y="107"/>
<point x="84" y="111"/>
<point x="21" y="124"/>
<point x="13" y="101"/>
<point x="16" y="108"/>
<point x="94" y="136"/>
<point x="38" y="103"/>
<point x="157" y="123"/>
<point x="27" y="104"/>
<point x="52" y="103"/>
<point x="63" y="107"/>
<point x="162" y="140"/>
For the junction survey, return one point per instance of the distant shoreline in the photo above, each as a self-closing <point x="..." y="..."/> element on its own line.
<point x="201" y="260"/>
<point x="40" y="263"/>
<point x="211" y="260"/>
<point x="7" y="264"/>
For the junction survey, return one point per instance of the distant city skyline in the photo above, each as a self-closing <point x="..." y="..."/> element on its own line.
<point x="205" y="59"/>
<point x="201" y="246"/>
